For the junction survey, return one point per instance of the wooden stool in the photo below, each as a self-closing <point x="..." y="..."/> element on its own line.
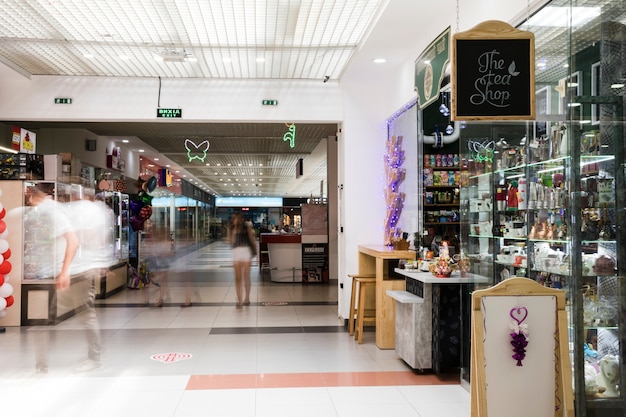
<point x="358" y="312"/>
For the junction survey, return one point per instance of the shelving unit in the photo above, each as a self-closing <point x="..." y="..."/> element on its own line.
<point x="561" y="230"/>
<point x="441" y="196"/>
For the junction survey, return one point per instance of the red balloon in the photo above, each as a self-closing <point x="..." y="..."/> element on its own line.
<point x="3" y="226"/>
<point x="7" y="254"/>
<point x="10" y="300"/>
<point x="3" y="213"/>
<point x="1" y="280"/>
<point x="5" y="267"/>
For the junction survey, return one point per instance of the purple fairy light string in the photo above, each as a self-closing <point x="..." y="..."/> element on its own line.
<point x="519" y="333"/>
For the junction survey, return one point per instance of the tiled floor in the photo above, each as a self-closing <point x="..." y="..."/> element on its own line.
<point x="287" y="354"/>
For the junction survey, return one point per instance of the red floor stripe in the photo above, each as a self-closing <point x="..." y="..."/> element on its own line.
<point x="325" y="379"/>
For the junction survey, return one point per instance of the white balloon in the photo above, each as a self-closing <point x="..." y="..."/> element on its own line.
<point x="3" y="303"/>
<point x="6" y="289"/>
<point x="3" y="313"/>
<point x="4" y="245"/>
<point x="6" y="278"/>
<point x="4" y="234"/>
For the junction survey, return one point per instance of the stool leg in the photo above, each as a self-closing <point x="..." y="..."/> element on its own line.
<point x="352" y="316"/>
<point x="360" y="315"/>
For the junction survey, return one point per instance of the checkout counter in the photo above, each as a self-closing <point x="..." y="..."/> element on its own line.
<point x="284" y="252"/>
<point x="296" y="258"/>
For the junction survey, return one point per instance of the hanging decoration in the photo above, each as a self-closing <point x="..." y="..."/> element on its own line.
<point x="196" y="151"/>
<point x="141" y="203"/>
<point x="6" y="289"/>
<point x="290" y="135"/>
<point x="519" y="334"/>
<point x="394" y="175"/>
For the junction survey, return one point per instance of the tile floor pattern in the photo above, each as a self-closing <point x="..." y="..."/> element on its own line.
<point x="287" y="354"/>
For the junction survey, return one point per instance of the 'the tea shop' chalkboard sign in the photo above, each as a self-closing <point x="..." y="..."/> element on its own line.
<point x="493" y="73"/>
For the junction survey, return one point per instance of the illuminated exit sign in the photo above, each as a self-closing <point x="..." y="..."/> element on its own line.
<point x="60" y="100"/>
<point x="170" y="113"/>
<point x="270" y="102"/>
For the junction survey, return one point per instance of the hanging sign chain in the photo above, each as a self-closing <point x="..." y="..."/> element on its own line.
<point x="457" y="16"/>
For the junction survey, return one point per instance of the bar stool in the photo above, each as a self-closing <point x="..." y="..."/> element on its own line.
<point x="358" y="311"/>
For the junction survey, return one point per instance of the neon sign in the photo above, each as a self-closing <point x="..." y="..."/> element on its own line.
<point x="290" y="135"/>
<point x="196" y="151"/>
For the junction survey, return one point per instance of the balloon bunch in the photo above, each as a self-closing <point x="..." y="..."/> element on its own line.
<point x="6" y="290"/>
<point x="141" y="204"/>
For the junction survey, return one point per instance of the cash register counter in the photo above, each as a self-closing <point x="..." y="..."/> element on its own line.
<point x="428" y="319"/>
<point x="285" y="256"/>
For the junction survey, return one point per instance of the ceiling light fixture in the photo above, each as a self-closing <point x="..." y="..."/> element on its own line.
<point x="379" y="60"/>
<point x="173" y="55"/>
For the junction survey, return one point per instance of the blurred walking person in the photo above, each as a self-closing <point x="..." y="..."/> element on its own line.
<point x="243" y="243"/>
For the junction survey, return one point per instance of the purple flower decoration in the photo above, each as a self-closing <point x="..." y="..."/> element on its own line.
<point x="519" y="343"/>
<point x="519" y="333"/>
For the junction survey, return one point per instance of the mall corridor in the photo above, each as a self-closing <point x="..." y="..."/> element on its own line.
<point x="287" y="354"/>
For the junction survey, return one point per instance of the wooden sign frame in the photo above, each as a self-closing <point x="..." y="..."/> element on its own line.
<point x="493" y="73"/>
<point x="523" y="289"/>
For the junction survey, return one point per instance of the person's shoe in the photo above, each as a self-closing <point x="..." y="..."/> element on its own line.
<point x="89" y="366"/>
<point x="238" y="306"/>
<point x="186" y="304"/>
<point x="246" y="303"/>
<point x="159" y="303"/>
<point x="42" y="369"/>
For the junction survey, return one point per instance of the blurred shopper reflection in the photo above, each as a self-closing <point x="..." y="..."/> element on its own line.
<point x="243" y="242"/>
<point x="83" y="241"/>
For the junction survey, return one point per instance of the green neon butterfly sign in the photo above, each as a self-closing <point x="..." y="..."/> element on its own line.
<point x="196" y="151"/>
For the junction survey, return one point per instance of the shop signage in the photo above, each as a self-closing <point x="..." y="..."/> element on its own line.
<point x="169" y="113"/>
<point x="493" y="73"/>
<point x="314" y="262"/>
<point x="430" y="69"/>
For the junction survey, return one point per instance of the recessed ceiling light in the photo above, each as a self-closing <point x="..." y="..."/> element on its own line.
<point x="260" y="60"/>
<point x="617" y="85"/>
<point x="123" y="57"/>
<point x="167" y="166"/>
<point x="88" y="56"/>
<point x="156" y="159"/>
<point x="226" y="59"/>
<point x="177" y="171"/>
<point x="379" y="60"/>
<point x="141" y="150"/>
<point x="125" y="141"/>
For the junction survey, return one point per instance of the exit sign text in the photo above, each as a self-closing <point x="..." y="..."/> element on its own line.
<point x="169" y="113"/>
<point x="60" y="100"/>
<point x="270" y="102"/>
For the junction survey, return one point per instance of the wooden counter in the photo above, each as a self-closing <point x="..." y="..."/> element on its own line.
<point x="381" y="260"/>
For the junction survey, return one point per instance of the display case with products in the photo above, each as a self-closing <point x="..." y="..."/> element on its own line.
<point x="119" y="204"/>
<point x="41" y="302"/>
<point x="553" y="216"/>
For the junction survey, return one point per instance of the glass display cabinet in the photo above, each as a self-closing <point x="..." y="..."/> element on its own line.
<point x="545" y="199"/>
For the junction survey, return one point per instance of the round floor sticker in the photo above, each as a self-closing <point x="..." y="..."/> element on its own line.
<point x="170" y="357"/>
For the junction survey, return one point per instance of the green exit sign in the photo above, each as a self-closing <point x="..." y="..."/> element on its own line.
<point x="60" y="100"/>
<point x="270" y="102"/>
<point x="169" y="113"/>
